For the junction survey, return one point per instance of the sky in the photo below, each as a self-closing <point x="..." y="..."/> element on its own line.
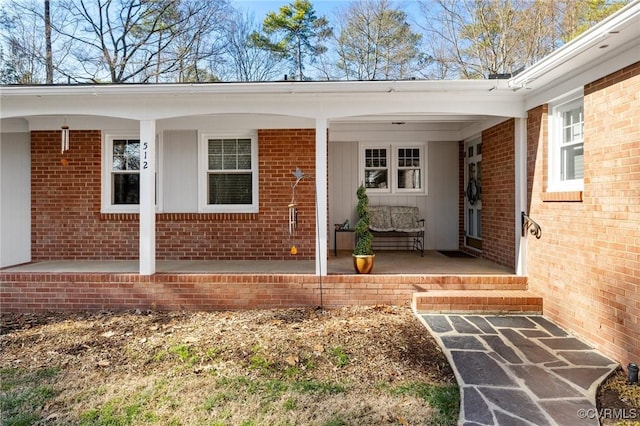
<point x="322" y="7"/>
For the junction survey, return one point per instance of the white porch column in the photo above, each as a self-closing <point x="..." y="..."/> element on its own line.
<point x="147" y="256"/>
<point x="321" y="196"/>
<point x="521" y="204"/>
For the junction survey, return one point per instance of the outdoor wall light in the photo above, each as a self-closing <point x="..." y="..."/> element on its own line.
<point x="633" y="373"/>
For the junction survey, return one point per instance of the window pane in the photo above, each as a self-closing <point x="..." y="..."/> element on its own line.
<point x="230" y="188"/>
<point x="229" y="154"/>
<point x="572" y="122"/>
<point x="244" y="146"/>
<point x="573" y="162"/>
<point x="126" y="188"/>
<point x="230" y="147"/>
<point x="409" y="179"/>
<point x="215" y="147"/>
<point x="375" y="178"/>
<point x="126" y="154"/>
<point x="375" y="157"/>
<point x="244" y="162"/>
<point x="215" y="162"/>
<point x="409" y="157"/>
<point x="229" y="162"/>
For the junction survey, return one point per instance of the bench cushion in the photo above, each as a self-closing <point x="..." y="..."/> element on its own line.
<point x="405" y="219"/>
<point x="380" y="218"/>
<point x="395" y="218"/>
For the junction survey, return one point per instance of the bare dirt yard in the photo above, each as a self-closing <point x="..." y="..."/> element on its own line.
<point x="329" y="367"/>
<point x="350" y="366"/>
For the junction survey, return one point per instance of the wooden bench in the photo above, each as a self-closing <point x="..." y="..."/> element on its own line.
<point x="397" y="227"/>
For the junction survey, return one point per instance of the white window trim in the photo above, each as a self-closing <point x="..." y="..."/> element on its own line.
<point x="203" y="206"/>
<point x="555" y="182"/>
<point x="392" y="185"/>
<point x="106" y="206"/>
<point x="107" y="151"/>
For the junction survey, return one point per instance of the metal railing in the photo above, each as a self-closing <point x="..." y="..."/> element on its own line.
<point x="530" y="225"/>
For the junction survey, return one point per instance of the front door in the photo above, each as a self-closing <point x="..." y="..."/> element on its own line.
<point x="473" y="194"/>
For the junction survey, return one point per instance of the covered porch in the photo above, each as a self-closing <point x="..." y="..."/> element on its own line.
<point x="72" y="222"/>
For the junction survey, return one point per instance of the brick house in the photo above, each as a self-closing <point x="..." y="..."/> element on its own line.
<point x="148" y="169"/>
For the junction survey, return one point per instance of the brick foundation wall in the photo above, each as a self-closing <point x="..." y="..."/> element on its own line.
<point x="67" y="223"/>
<point x="587" y="264"/>
<point x="498" y="194"/>
<point x="42" y="292"/>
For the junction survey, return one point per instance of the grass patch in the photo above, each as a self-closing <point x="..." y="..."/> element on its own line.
<point x="340" y="357"/>
<point x="138" y="407"/>
<point x="23" y="394"/>
<point x="185" y="354"/>
<point x="445" y="399"/>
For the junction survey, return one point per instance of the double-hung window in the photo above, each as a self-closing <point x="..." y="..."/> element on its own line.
<point x="394" y="168"/>
<point x="230" y="174"/>
<point x="121" y="176"/>
<point x="566" y="146"/>
<point x="376" y="168"/>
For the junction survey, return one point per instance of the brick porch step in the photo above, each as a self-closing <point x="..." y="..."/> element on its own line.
<point x="477" y="301"/>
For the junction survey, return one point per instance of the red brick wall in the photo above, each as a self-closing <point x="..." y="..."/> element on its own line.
<point x="587" y="264"/>
<point x="67" y="224"/>
<point x="42" y="292"/>
<point x="498" y="193"/>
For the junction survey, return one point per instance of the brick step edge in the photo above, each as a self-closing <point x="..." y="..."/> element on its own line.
<point x="477" y="301"/>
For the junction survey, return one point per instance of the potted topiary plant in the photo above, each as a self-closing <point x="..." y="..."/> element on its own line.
<point x="363" y="253"/>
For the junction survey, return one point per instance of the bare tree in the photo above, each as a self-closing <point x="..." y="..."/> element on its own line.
<point x="376" y="42"/>
<point x="246" y="62"/>
<point x="23" y="44"/>
<point x="474" y="39"/>
<point x="138" y="41"/>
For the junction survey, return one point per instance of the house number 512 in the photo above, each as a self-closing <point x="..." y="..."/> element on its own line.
<point x="145" y="149"/>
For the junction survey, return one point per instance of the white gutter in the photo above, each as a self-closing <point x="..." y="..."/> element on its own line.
<point x="284" y="87"/>
<point x="593" y="37"/>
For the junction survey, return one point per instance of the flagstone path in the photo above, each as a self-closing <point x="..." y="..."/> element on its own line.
<point x="520" y="370"/>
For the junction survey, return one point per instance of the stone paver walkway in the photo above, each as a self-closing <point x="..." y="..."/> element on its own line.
<point x="520" y="370"/>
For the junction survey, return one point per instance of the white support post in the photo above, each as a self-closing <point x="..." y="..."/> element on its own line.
<point x="321" y="196"/>
<point x="147" y="197"/>
<point x="521" y="193"/>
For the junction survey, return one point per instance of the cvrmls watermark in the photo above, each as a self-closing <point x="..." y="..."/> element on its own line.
<point x="609" y="413"/>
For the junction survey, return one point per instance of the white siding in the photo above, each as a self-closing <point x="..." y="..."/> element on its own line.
<point x="15" y="199"/>
<point x="439" y="208"/>
<point x="180" y="171"/>
<point x="442" y="206"/>
<point x="343" y="183"/>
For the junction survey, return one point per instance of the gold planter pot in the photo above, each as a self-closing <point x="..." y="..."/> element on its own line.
<point x="363" y="264"/>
